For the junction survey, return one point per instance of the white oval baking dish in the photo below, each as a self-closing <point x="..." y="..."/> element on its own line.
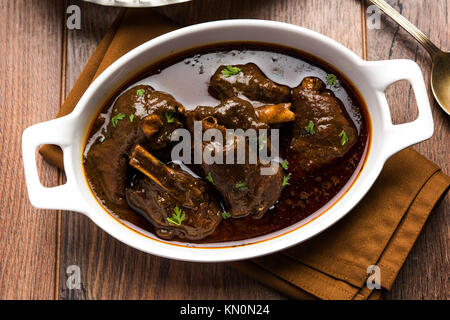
<point x="371" y="79"/>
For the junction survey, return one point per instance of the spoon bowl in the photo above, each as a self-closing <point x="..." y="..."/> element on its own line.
<point x="440" y="79"/>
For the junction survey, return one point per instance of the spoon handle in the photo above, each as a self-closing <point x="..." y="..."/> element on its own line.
<point x="408" y="26"/>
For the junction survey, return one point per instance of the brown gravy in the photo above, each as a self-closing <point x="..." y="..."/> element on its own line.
<point x="186" y="76"/>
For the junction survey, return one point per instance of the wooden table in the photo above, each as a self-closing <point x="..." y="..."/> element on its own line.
<point x="39" y="62"/>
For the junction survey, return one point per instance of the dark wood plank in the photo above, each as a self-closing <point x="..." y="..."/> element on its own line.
<point x="323" y="16"/>
<point x="424" y="275"/>
<point x="30" y="65"/>
<point x="111" y="270"/>
<point x="95" y="21"/>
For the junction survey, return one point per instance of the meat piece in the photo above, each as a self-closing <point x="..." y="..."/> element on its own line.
<point x="245" y="190"/>
<point x="151" y="125"/>
<point x="322" y="130"/>
<point x="140" y="115"/>
<point x="275" y="114"/>
<point x="250" y="82"/>
<point x="236" y="113"/>
<point x="233" y="113"/>
<point x="175" y="202"/>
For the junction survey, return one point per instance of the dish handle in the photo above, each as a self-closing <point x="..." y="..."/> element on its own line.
<point x="59" y="132"/>
<point x="398" y="137"/>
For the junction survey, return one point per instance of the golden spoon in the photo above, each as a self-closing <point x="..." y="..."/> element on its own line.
<point x="440" y="71"/>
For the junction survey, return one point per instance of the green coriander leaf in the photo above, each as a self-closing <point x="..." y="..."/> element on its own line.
<point x="230" y="71"/>
<point x="170" y="116"/>
<point x="241" y="186"/>
<point x="332" y="80"/>
<point x="310" y="128"/>
<point x="210" y="178"/>
<point x="286" y="179"/>
<point x="131" y="117"/>
<point x="140" y="92"/>
<point x="343" y="136"/>
<point x="261" y="141"/>
<point x="177" y="217"/>
<point x="116" y="118"/>
<point x="226" y="215"/>
<point x="285" y="164"/>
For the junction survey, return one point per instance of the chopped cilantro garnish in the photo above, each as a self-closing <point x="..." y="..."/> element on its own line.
<point x="131" y="117"/>
<point x="285" y="164"/>
<point x="230" y="71"/>
<point x="140" y="92"/>
<point x="116" y="118"/>
<point x="286" y="179"/>
<point x="177" y="217"/>
<point x="170" y="116"/>
<point x="241" y="186"/>
<point x="332" y="80"/>
<point x="343" y="136"/>
<point x="310" y="128"/>
<point x="210" y="178"/>
<point x="226" y="215"/>
<point x="261" y="141"/>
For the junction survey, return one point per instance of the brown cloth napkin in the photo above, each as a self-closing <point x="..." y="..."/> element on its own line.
<point x="380" y="231"/>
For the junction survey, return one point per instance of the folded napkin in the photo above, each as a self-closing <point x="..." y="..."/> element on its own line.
<point x="380" y="231"/>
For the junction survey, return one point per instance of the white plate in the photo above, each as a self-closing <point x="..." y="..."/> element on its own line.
<point x="136" y="3"/>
